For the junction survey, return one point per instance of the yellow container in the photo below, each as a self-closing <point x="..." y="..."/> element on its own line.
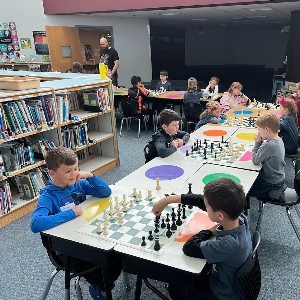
<point x="103" y="70"/>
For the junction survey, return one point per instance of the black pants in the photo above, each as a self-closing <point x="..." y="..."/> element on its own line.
<point x="95" y="277"/>
<point x="202" y="290"/>
<point x="114" y="80"/>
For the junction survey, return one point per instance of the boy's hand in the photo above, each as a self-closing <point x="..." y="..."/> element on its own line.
<point x="84" y="175"/>
<point x="180" y="142"/>
<point x="175" y="143"/>
<point x="214" y="229"/>
<point x="257" y="138"/>
<point x="160" y="205"/>
<point x="77" y="210"/>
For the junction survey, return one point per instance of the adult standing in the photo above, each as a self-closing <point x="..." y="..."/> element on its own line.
<point x="110" y="57"/>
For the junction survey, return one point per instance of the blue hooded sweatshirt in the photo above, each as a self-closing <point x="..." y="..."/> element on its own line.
<point x="55" y="203"/>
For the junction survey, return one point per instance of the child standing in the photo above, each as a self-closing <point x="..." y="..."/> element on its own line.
<point x="211" y="114"/>
<point x="233" y="97"/>
<point x="268" y="151"/>
<point x="231" y="247"/>
<point x="163" y="84"/>
<point x="165" y="141"/>
<point x="212" y="89"/>
<point x="59" y="202"/>
<point x="288" y="125"/>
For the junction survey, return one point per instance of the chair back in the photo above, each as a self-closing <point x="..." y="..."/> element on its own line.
<point x="297" y="177"/>
<point x="192" y="112"/>
<point x="248" y="276"/>
<point x="129" y="107"/>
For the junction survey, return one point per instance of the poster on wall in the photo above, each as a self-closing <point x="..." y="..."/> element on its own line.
<point x="25" y="43"/>
<point x="9" y="42"/>
<point x="40" y="42"/>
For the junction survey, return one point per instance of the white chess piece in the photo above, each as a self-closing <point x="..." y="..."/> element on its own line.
<point x="105" y="231"/>
<point x="120" y="218"/>
<point x="131" y="205"/>
<point x="99" y="227"/>
<point x="134" y="192"/>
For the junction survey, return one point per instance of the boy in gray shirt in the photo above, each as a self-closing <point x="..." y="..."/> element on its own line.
<point x="268" y="151"/>
<point x="224" y="201"/>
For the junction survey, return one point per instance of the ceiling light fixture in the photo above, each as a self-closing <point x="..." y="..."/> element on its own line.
<point x="199" y="19"/>
<point x="255" y="17"/>
<point x="171" y="14"/>
<point x="261" y="9"/>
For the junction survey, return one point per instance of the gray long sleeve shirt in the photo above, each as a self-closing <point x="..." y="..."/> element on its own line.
<point x="270" y="153"/>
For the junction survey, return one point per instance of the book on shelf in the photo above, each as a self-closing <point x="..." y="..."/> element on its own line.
<point x="63" y="108"/>
<point x="98" y="101"/>
<point x="5" y="197"/>
<point x="74" y="136"/>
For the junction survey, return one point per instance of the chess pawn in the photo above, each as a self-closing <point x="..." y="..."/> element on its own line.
<point x="149" y="196"/>
<point x="120" y="218"/>
<point x="140" y="195"/>
<point x="105" y="217"/>
<point x="158" y="187"/>
<point x="125" y="209"/>
<point x="124" y="198"/>
<point x="99" y="228"/>
<point x="134" y="193"/>
<point x="105" y="231"/>
<point x="111" y="209"/>
<point x="116" y="207"/>
<point x="131" y="205"/>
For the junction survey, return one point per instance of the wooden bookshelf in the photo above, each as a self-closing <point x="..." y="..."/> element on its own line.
<point x="101" y="131"/>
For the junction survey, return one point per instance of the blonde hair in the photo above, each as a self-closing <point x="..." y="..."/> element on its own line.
<point x="192" y="84"/>
<point x="269" y="120"/>
<point x="291" y="106"/>
<point x="210" y="107"/>
<point x="235" y="85"/>
<point x="216" y="79"/>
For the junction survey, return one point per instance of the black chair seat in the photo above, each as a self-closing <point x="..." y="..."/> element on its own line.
<point x="290" y="198"/>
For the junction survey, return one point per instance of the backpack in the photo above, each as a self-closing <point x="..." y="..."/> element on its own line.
<point x="130" y="104"/>
<point x="150" y="151"/>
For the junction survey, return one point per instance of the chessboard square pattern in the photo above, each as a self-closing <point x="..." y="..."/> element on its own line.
<point x="129" y="224"/>
<point x="135" y="241"/>
<point x="132" y="232"/>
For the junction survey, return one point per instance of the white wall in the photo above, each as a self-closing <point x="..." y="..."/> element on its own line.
<point x="131" y="37"/>
<point x="241" y="45"/>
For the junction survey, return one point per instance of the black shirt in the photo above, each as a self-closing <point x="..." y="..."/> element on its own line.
<point x="108" y="57"/>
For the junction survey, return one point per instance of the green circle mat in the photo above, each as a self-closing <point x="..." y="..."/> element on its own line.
<point x="213" y="176"/>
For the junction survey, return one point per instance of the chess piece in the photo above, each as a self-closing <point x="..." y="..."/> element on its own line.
<point x="169" y="232"/>
<point x="105" y="231"/>
<point x="168" y="219"/>
<point x="131" y="205"/>
<point x="173" y="226"/>
<point x="105" y="216"/>
<point x="156" y="230"/>
<point x="99" y="228"/>
<point x="140" y="195"/>
<point x="124" y="208"/>
<point x="179" y="221"/>
<point x="149" y="195"/>
<point x="190" y="189"/>
<point x="163" y="224"/>
<point x="157" y="245"/>
<point x="179" y="208"/>
<point x="116" y="207"/>
<point x="134" y="193"/>
<point x="143" y="244"/>
<point x="187" y="153"/>
<point x="158" y="187"/>
<point x="150" y="237"/>
<point x="120" y="218"/>
<point x="183" y="213"/>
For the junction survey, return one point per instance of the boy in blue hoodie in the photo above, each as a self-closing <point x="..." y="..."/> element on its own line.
<point x="59" y="202"/>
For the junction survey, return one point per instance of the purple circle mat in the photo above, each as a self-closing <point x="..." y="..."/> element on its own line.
<point x="184" y="148"/>
<point x="164" y="172"/>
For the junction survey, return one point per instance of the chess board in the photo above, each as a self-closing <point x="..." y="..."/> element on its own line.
<point x="240" y="122"/>
<point x="213" y="132"/>
<point x="137" y="222"/>
<point x="263" y="105"/>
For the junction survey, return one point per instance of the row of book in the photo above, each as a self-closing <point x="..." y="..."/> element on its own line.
<point x="75" y="136"/>
<point x="15" y="155"/>
<point x="27" y="115"/>
<point x="5" y="197"/>
<point x="30" y="184"/>
<point x="97" y="101"/>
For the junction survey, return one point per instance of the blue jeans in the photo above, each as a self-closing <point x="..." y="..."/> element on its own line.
<point x="262" y="189"/>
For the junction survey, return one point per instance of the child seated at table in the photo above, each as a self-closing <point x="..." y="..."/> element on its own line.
<point x="296" y="98"/>
<point x="166" y="140"/>
<point x="59" y="202"/>
<point x="192" y="95"/>
<point x="233" y="97"/>
<point x="224" y="200"/>
<point x="211" y="114"/>
<point x="164" y="84"/>
<point x="138" y="93"/>
<point x="268" y="151"/>
<point x="212" y="89"/>
<point x="288" y="125"/>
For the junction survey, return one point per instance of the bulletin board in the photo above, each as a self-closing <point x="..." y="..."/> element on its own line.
<point x="9" y="42"/>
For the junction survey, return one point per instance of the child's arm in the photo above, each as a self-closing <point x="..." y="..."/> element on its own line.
<point x="162" y="149"/>
<point x="186" y="199"/>
<point x="214" y="120"/>
<point x="93" y="185"/>
<point x="184" y="136"/>
<point x="42" y="219"/>
<point x="260" y="151"/>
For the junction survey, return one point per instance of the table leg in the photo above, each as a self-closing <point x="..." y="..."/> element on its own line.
<point x="107" y="283"/>
<point x="138" y="287"/>
<point x="67" y="277"/>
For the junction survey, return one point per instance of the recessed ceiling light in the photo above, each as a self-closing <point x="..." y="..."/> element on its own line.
<point x="199" y="19"/>
<point x="255" y="17"/>
<point x="171" y="14"/>
<point x="261" y="9"/>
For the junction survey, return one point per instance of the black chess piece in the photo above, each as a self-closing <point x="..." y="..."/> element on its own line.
<point x="212" y="145"/>
<point x="179" y="208"/>
<point x="163" y="224"/>
<point x="169" y="232"/>
<point x="173" y="226"/>
<point x="143" y="242"/>
<point x="222" y="139"/>
<point x="157" y="244"/>
<point x="167" y="218"/>
<point x="205" y="157"/>
<point x="157" y="220"/>
<point x="179" y="221"/>
<point x="156" y="230"/>
<point x="190" y="188"/>
<point x="187" y="153"/>
<point x="173" y="214"/>
<point x="150" y="237"/>
<point x="215" y="155"/>
<point x="183" y="213"/>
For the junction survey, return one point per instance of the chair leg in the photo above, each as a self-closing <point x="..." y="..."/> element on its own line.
<point x="78" y="289"/>
<point x="288" y="211"/>
<point x="121" y="126"/>
<point x="49" y="283"/>
<point x="139" y="129"/>
<point x="260" y="216"/>
<point x="145" y="122"/>
<point x="126" y="281"/>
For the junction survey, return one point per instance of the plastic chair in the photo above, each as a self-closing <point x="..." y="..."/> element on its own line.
<point x="192" y="113"/>
<point x="129" y="109"/>
<point x="291" y="200"/>
<point x="248" y="276"/>
<point x="59" y="266"/>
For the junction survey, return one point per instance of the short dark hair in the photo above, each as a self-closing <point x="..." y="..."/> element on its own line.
<point x="77" y="67"/>
<point x="60" y="156"/>
<point x="167" y="116"/>
<point x="164" y="73"/>
<point x="224" y="194"/>
<point x="135" y="80"/>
